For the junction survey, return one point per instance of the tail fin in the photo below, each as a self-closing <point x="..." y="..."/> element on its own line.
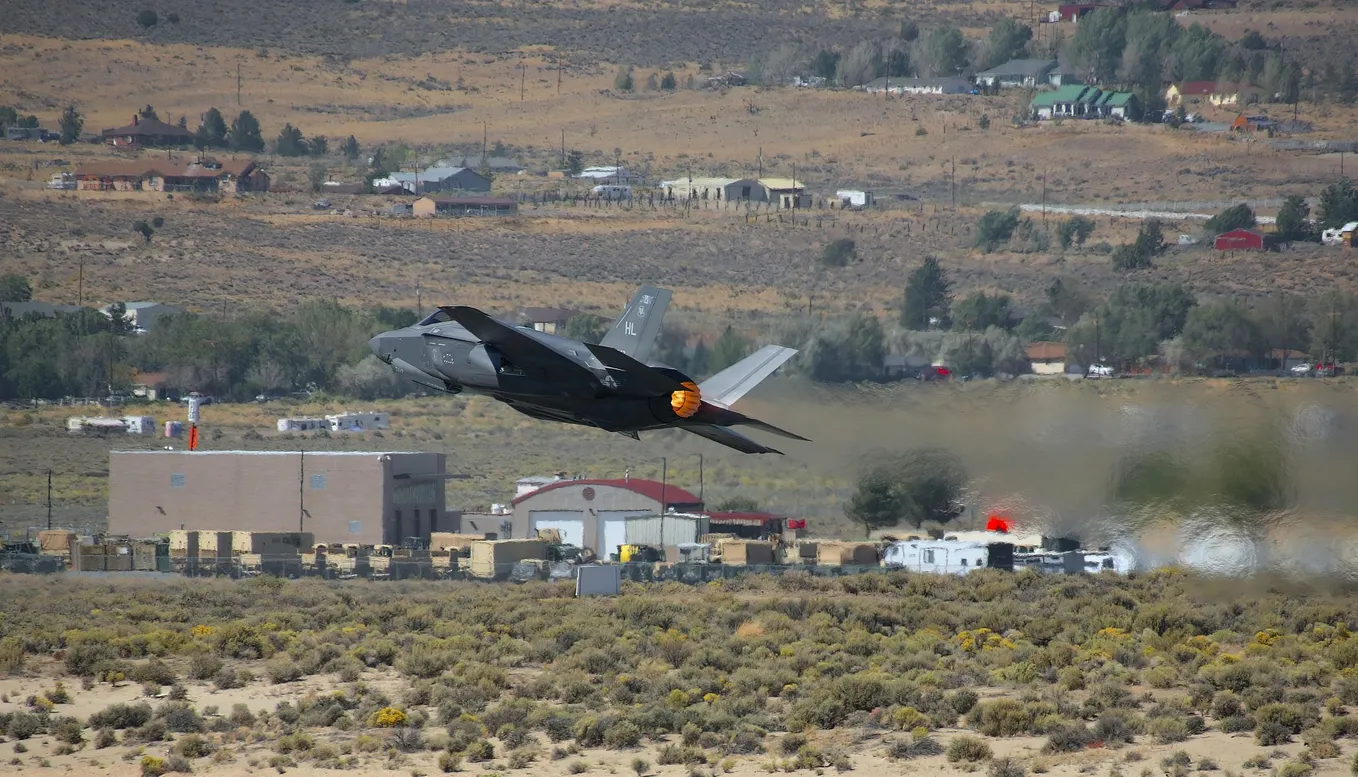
<point x="734" y="382"/>
<point x="635" y="331"/>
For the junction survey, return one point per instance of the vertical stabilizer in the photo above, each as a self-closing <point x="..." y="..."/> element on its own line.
<point x="732" y="383"/>
<point x="637" y="328"/>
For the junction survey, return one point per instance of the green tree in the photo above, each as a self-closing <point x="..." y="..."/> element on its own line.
<point x="1197" y="54"/>
<point x="1222" y="328"/>
<point x="623" y="81"/>
<point x="1338" y="204"/>
<point x="8" y="117"/>
<point x="149" y="112"/>
<point x="1150" y="38"/>
<point x="909" y="31"/>
<point x="1284" y="323"/>
<point x="1096" y="48"/>
<point x="927" y="296"/>
<point x="15" y="288"/>
<point x="1074" y="230"/>
<point x="943" y="52"/>
<point x="738" y="504"/>
<point x="575" y="162"/>
<point x="245" y="134"/>
<point x="1294" y="221"/>
<point x="1235" y="217"/>
<point x="826" y="64"/>
<point x="318" y="146"/>
<point x="350" y="148"/>
<point x="1131" y="324"/>
<point x="995" y="228"/>
<point x="1008" y="40"/>
<point x="838" y="253"/>
<point x="729" y="348"/>
<point x="979" y="311"/>
<point x="71" y="125"/>
<point x="148" y="18"/>
<point x="1066" y="301"/>
<point x="914" y="487"/>
<point x="1140" y="255"/>
<point x="379" y="166"/>
<point x="144" y="229"/>
<point x="1335" y="336"/>
<point x="211" y="131"/>
<point x="668" y="83"/>
<point x="849" y="352"/>
<point x="586" y="327"/>
<point x="316" y="175"/>
<point x="290" y="142"/>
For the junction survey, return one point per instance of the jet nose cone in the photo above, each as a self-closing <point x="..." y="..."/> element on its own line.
<point x="381" y="346"/>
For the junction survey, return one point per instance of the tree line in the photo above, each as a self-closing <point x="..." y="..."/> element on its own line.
<point x="1134" y="45"/>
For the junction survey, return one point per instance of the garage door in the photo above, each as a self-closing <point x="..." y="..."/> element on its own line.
<point x="571" y="524"/>
<point x="613" y="530"/>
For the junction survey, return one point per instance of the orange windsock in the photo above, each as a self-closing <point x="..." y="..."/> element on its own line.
<point x="193" y="437"/>
<point x="998" y="523"/>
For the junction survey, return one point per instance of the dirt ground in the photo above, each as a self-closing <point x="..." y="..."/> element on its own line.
<point x="865" y="747"/>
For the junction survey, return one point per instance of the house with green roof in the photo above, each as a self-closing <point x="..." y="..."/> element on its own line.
<point x="1078" y="101"/>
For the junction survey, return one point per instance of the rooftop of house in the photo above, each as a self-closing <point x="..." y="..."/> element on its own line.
<point x="149" y="127"/>
<point x="651" y="489"/>
<point x="1045" y="351"/>
<point x="495" y="201"/>
<point x="1206" y="88"/>
<point x="903" y="82"/>
<point x="1069" y="93"/>
<point x="474" y="162"/>
<point x="205" y="167"/>
<point x="1034" y="68"/>
<point x="781" y="184"/>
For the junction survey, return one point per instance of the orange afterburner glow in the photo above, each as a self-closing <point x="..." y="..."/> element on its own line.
<point x="686" y="401"/>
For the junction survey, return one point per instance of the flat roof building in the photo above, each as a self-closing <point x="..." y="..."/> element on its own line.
<point x="369" y="498"/>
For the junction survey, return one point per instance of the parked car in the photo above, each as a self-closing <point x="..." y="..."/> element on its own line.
<point x="321" y="204"/>
<point x="1300" y="370"/>
<point x="1099" y="371"/>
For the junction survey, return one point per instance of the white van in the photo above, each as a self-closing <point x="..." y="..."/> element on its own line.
<point x="612" y="191"/>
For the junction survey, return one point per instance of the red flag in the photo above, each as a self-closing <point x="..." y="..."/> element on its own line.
<point x="997" y="523"/>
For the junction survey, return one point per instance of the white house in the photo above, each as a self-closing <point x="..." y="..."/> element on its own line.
<point x="142" y="316"/>
<point x="855" y="198"/>
<point x="918" y="86"/>
<point x="1028" y="73"/>
<point x="614" y="175"/>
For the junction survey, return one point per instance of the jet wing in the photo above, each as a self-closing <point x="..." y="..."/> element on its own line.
<point x="647" y="379"/>
<point x="720" y="416"/>
<point x="525" y="352"/>
<point x="729" y="437"/>
<point x="734" y="382"/>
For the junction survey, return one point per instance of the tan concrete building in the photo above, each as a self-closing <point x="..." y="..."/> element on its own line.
<point x="340" y="496"/>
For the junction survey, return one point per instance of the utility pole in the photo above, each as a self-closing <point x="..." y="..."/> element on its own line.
<point x="952" y="183"/>
<point x="237" y="84"/>
<point x="558" y="75"/>
<point x="80" y="285"/>
<point x="301" y="492"/>
<point x="523" y="78"/>
<point x="563" y="149"/>
<point x="1044" y="199"/>
<point x="485" y="137"/>
<point x="49" y="500"/>
<point x="761" y="162"/>
<point x="419" y="300"/>
<point x="700" y="478"/>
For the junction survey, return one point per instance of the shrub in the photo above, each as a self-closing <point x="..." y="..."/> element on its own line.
<point x="153" y="672"/>
<point x="679" y="754"/>
<point x="1068" y="738"/>
<point x="450" y="762"/>
<point x="790" y="744"/>
<point x="193" y="746"/>
<point x="180" y="718"/>
<point x="1000" y="718"/>
<point x="521" y="759"/>
<point x="622" y="735"/>
<point x="1167" y="730"/>
<point x="179" y="764"/>
<point x="1006" y="767"/>
<point x="640" y="766"/>
<point x="152" y="766"/>
<point x="968" y="748"/>
<point x="283" y="670"/>
<point x="105" y="737"/>
<point x="23" y="725"/>
<point x="205" y="666"/>
<point x="577" y="767"/>
<point x="1236" y="723"/>
<point x="480" y="750"/>
<point x="1295" y="769"/>
<point x="389" y="717"/>
<point x="1117" y="727"/>
<point x="68" y="731"/>
<point x="147" y="19"/>
<point x="995" y="228"/>
<point x="58" y="694"/>
<point x="838" y="253"/>
<point x="964" y="701"/>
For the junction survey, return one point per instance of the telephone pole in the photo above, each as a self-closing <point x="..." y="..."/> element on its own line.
<point x="49" y="500"/>
<point x="559" y="65"/>
<point x="523" y="78"/>
<point x="952" y="183"/>
<point x="238" y="84"/>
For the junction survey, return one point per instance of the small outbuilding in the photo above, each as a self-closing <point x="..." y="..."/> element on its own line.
<point x="1239" y="240"/>
<point x="465" y="206"/>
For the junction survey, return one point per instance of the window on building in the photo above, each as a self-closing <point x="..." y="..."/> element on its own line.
<point x="928" y="557"/>
<point x="355" y="527"/>
<point x="177" y="480"/>
<point x="745" y="192"/>
<point x="318" y="482"/>
<point x="964" y="562"/>
<point x="414" y="493"/>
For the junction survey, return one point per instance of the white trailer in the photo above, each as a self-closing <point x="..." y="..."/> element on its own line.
<point x="302" y="424"/>
<point x="139" y="424"/>
<point x="358" y="422"/>
<point x="945" y="557"/>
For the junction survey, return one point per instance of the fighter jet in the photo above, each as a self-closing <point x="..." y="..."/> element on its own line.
<point x="613" y="386"/>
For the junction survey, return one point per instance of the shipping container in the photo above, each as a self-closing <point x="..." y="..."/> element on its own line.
<point x="840" y="553"/>
<point x="746" y="552"/>
<point x="267" y="541"/>
<point x="496" y="558"/>
<point x="445" y="541"/>
<point x="55" y="542"/>
<point x="214" y="544"/>
<point x="667" y="531"/>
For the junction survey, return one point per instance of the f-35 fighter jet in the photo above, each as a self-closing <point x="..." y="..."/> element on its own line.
<point x="612" y="386"/>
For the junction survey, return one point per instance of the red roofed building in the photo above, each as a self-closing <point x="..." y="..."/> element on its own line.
<point x="583" y="509"/>
<point x="148" y="132"/>
<point x="202" y="174"/>
<point x="1239" y="240"/>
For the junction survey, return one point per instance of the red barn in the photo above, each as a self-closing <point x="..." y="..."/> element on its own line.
<point x="1240" y="240"/>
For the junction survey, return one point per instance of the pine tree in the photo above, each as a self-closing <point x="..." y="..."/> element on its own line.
<point x="246" y="134"/>
<point x="290" y="142"/>
<point x="212" y="131"/>
<point x="927" y="296"/>
<point x="71" y="124"/>
<point x="350" y="148"/>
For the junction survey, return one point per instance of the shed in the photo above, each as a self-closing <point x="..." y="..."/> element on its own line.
<point x="465" y="206"/>
<point x="592" y="513"/>
<point x="1047" y="358"/>
<point x="1239" y="240"/>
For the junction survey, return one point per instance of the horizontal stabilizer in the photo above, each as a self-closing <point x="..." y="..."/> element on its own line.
<point x="720" y="416"/>
<point x="734" y="382"/>
<point x="635" y="331"/>
<point x="639" y="376"/>
<point x="729" y="437"/>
